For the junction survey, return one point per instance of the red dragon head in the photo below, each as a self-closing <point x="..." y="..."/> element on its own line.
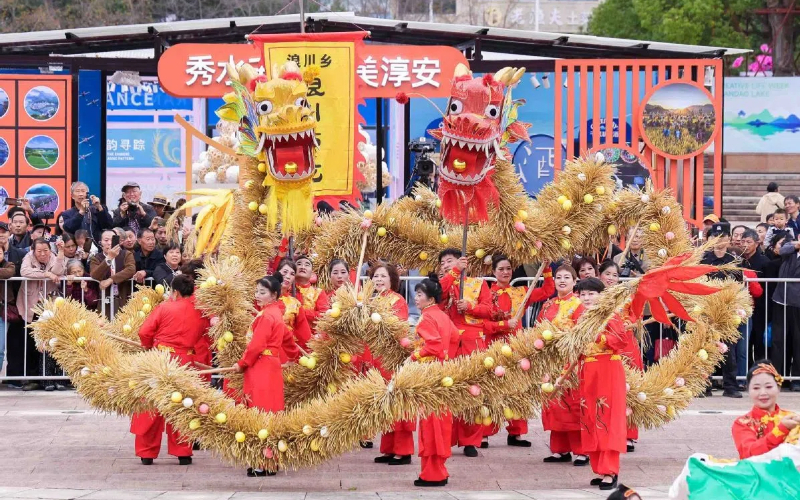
<point x="474" y="132"/>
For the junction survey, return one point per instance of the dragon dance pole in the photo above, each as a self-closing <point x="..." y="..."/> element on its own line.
<point x="464" y="246"/>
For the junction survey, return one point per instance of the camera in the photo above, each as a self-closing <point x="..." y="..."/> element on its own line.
<point x="424" y="168"/>
<point x="132" y="205"/>
<point x="631" y="264"/>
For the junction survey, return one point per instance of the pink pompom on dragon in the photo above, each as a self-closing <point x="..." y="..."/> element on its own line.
<point x="480" y="121"/>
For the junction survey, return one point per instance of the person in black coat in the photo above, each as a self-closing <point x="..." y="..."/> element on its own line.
<point x="167" y="270"/>
<point x="87" y="213"/>
<point x="755" y="260"/>
<point x="132" y="212"/>
<point x="147" y="256"/>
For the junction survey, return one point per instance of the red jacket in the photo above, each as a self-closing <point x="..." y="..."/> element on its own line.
<point x="754" y="287"/>
<point x="759" y="431"/>
<point x="263" y="379"/>
<point x="399" y="304"/>
<point x="174" y="324"/>
<point x="315" y="302"/>
<point x="435" y="331"/>
<point x="475" y="292"/>
<point x="506" y="301"/>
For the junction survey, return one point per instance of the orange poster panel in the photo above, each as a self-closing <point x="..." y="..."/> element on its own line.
<point x="8" y="148"/>
<point x="42" y="152"/>
<point x="8" y="98"/>
<point x="42" y="103"/>
<point x="7" y="190"/>
<point x="47" y="194"/>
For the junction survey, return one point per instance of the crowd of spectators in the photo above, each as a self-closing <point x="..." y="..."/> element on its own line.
<point x="91" y="254"/>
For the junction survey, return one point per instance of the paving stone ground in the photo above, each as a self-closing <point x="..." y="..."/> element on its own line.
<point x="55" y="447"/>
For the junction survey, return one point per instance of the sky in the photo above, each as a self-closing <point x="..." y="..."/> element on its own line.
<point x="678" y="96"/>
<point x="41" y="141"/>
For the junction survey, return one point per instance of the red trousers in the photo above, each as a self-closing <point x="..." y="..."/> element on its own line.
<point x="397" y="442"/>
<point x="514" y="428"/>
<point x="565" y="442"/>
<point x="633" y="433"/>
<point x="434" y="446"/>
<point x="148" y="428"/>
<point x="604" y="463"/>
<point x="467" y="433"/>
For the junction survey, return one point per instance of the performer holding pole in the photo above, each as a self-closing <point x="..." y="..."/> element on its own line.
<point x="314" y="299"/>
<point x="509" y="303"/>
<point x="602" y="391"/>
<point x="174" y="326"/>
<point x="465" y="313"/>
<point x="260" y="363"/>
<point x="435" y="330"/>
<point x="562" y="416"/>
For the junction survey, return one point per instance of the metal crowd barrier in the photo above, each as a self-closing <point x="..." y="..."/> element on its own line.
<point x="743" y="348"/>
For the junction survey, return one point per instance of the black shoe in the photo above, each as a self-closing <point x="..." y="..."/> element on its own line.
<point x="552" y="459"/>
<point x="184" y="460"/>
<point x="61" y="387"/>
<point x="580" y="462"/>
<point x="196" y="446"/>
<point x="50" y="387"/>
<point x="732" y="394"/>
<point x="708" y="393"/>
<point x="516" y="441"/>
<point x="470" y="451"/>
<point x="422" y="482"/>
<point x="383" y="459"/>
<point x="609" y="486"/>
<point x="631" y="447"/>
<point x="147" y="461"/>
<point x="596" y="481"/>
<point x="365" y="444"/>
<point x="485" y="443"/>
<point x="31" y="386"/>
<point x="402" y="460"/>
<point x="258" y="473"/>
<point x="795" y="386"/>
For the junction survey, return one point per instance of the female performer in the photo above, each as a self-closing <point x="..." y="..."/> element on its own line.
<point x="632" y="352"/>
<point x="434" y="330"/>
<point x="314" y="299"/>
<point x="340" y="274"/>
<point x="397" y="446"/>
<point x="766" y="425"/>
<point x="291" y="309"/>
<point x="562" y="416"/>
<point x="260" y="363"/>
<point x="602" y="392"/>
<point x="506" y="301"/>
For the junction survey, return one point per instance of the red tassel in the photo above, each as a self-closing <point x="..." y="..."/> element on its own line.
<point x="401" y="98"/>
<point x="488" y="79"/>
<point x="292" y="75"/>
<point x="254" y="81"/>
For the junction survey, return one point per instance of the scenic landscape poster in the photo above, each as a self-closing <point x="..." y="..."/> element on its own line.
<point x="678" y="120"/>
<point x="41" y="103"/>
<point x="761" y="115"/>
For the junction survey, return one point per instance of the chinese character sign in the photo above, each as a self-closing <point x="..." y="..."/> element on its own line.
<point x="535" y="162"/>
<point x="332" y="96"/>
<point x="201" y="70"/>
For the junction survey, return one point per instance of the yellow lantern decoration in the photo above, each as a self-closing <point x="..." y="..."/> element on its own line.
<point x="262" y="167"/>
<point x="176" y="397"/>
<point x="227" y="336"/>
<point x="263" y="209"/>
<point x="423" y="256"/>
<point x="488" y="362"/>
<point x="507" y="351"/>
<point x="221" y="418"/>
<point x="547" y="387"/>
<point x="240" y="437"/>
<point x="307" y="430"/>
<point x="587" y="198"/>
<point x="282" y="446"/>
<point x="447" y="382"/>
<point x="612" y="230"/>
<point x="600" y="190"/>
<point x="655" y="226"/>
<point x="253" y="206"/>
<point x="547" y="335"/>
<point x="194" y="424"/>
<point x="263" y="434"/>
<point x="381" y="231"/>
<point x="508" y="413"/>
<point x="344" y="357"/>
<point x="480" y="253"/>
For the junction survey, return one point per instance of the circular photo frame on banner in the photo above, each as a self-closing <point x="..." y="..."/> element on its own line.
<point x="3" y="196"/>
<point x="5" y="102"/>
<point x="41" y="152"/>
<point x="677" y="119"/>
<point x="43" y="197"/>
<point x="5" y="152"/>
<point x="41" y="103"/>
<point x="632" y="169"/>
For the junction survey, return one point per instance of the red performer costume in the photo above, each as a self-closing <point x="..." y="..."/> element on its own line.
<point x="174" y="326"/>
<point x="261" y="364"/>
<point x="759" y="431"/>
<point x="315" y="302"/>
<point x="602" y="399"/>
<point x="562" y="416"/>
<point x="470" y="336"/>
<point x="400" y="441"/>
<point x="435" y="331"/>
<point x="295" y="320"/>
<point x="202" y="351"/>
<point x="632" y="354"/>
<point x="506" y="301"/>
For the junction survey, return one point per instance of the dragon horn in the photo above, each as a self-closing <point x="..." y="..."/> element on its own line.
<point x="516" y="76"/>
<point x="504" y="75"/>
<point x="289" y="67"/>
<point x="461" y="70"/>
<point x="233" y="74"/>
<point x="247" y="74"/>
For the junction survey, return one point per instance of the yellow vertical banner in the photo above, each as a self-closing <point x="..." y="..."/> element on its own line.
<point x="332" y="96"/>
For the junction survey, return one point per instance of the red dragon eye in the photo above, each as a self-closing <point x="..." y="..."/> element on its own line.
<point x="456" y="107"/>
<point x="492" y="111"/>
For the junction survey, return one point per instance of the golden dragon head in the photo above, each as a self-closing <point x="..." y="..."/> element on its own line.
<point x="276" y="126"/>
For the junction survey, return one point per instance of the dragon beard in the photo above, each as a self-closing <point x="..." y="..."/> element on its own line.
<point x="293" y="201"/>
<point x="460" y="201"/>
